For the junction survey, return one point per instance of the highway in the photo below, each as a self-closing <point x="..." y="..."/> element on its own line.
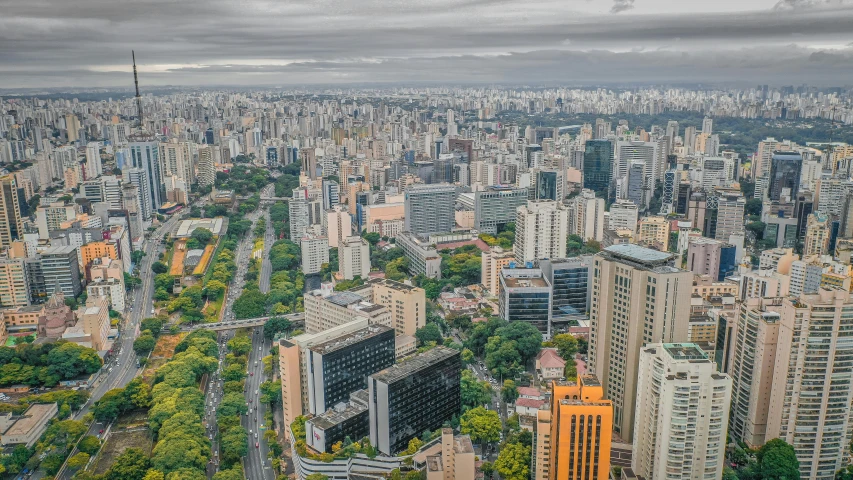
<point x="269" y="239"/>
<point x="121" y="369"/>
<point x="256" y="466"/>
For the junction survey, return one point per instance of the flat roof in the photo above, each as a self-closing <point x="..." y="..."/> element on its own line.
<point x="685" y="351"/>
<point x="334" y="417"/>
<point x="638" y="253"/>
<point x="349" y="339"/>
<point x="35" y="414"/>
<point x="513" y="282"/>
<point x="413" y="364"/>
<point x="345" y="299"/>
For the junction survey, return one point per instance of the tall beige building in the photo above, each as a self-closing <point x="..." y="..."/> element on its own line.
<point x="206" y="166"/>
<point x="354" y="258"/>
<point x="95" y="320"/>
<point x="492" y="262"/>
<point x="338" y="225"/>
<point x="817" y="236"/>
<point x="11" y="226"/>
<point x="14" y="284"/>
<point x="810" y="403"/>
<point x="638" y="298"/>
<point x="541" y="229"/>
<point x="682" y="407"/>
<point x="654" y="232"/>
<point x="586" y="216"/>
<point x="754" y="358"/>
<point x="406" y="304"/>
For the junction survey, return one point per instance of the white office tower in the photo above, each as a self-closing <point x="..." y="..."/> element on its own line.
<point x="354" y="258"/>
<point x="634" y="151"/>
<point x="708" y="125"/>
<point x="112" y="191"/>
<point x="93" y="160"/>
<point x="637" y="298"/>
<point x="331" y="194"/>
<point x="315" y="252"/>
<point x="624" y="215"/>
<point x="810" y="405"/>
<point x="338" y="225"/>
<point x="145" y="155"/>
<point x="586" y="216"/>
<point x="139" y="177"/>
<point x="682" y="412"/>
<point x="206" y="167"/>
<point x="541" y="229"/>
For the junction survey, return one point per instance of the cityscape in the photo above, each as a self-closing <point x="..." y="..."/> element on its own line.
<point x="521" y="252"/>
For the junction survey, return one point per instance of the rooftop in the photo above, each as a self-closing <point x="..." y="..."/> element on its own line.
<point x="344" y="299"/>
<point x="350" y="339"/>
<point x="35" y="414"/>
<point x="337" y="415"/>
<point x="413" y="364"/>
<point x="685" y="351"/>
<point x="639" y="254"/>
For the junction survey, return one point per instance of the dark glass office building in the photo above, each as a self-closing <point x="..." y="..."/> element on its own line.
<point x="785" y="168"/>
<point x="547" y="185"/>
<point x="526" y="297"/>
<point x="340" y="366"/>
<point x="569" y="279"/>
<point x="598" y="167"/>
<point x="416" y="395"/>
<point x="728" y="265"/>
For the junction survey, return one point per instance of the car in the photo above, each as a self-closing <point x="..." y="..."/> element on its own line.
<point x="257" y="445"/>
<point x="101" y="431"/>
<point x="251" y="374"/>
<point x="256" y="392"/>
<point x="256" y="434"/>
<point x="250" y="411"/>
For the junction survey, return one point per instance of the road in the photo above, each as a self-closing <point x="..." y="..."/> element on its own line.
<point x="121" y="369"/>
<point x="266" y="266"/>
<point x="213" y="396"/>
<point x="241" y="259"/>
<point x="256" y="466"/>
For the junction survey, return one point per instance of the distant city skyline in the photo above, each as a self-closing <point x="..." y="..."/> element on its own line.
<point x="48" y="43"/>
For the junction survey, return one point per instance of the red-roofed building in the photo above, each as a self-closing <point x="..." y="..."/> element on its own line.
<point x="530" y="393"/>
<point x="549" y="364"/>
<point x="528" y="406"/>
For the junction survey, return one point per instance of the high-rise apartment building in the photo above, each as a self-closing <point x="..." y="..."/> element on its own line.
<point x="139" y="177"/>
<point x="492" y="262"/>
<point x="525" y="296"/>
<point x="14" y="283"/>
<point x="61" y="268"/>
<point x="405" y="303"/>
<point x="730" y="214"/>
<point x="430" y="209"/>
<point x="206" y="167"/>
<point x="495" y="207"/>
<point x="11" y="226"/>
<point x="817" y="235"/>
<point x="338" y="225"/>
<point x="654" y="232"/>
<point x="93" y="160"/>
<point x="638" y="298"/>
<point x="754" y="350"/>
<point x="574" y="437"/>
<point x="541" y="230"/>
<point x="682" y="408"/>
<point x="586" y="216"/>
<point x="418" y="394"/>
<point x="315" y="252"/>
<point x="812" y="389"/>
<point x="354" y="258"/>
<point x="623" y="216"/>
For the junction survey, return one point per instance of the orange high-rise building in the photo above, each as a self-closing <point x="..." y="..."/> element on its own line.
<point x="581" y="425"/>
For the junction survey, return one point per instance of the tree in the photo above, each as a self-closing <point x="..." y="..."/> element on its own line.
<point x="513" y="462"/>
<point x="202" y="236"/>
<point x="132" y="464"/>
<point x="475" y="393"/>
<point x="153" y="325"/>
<point x="481" y="424"/>
<point x="144" y="343"/>
<point x="159" y="267"/>
<point x="234" y="445"/>
<point x="509" y="392"/>
<point x="757" y="228"/>
<point x="251" y="304"/>
<point x="89" y="444"/>
<point x="110" y="405"/>
<point x="316" y="476"/>
<point x="240" y="345"/>
<point x="567" y="346"/>
<point x="428" y="333"/>
<point x="777" y="460"/>
<point x="373" y="238"/>
<point x="274" y="326"/>
<point x="234" y="473"/>
<point x="215" y="289"/>
<point x="487" y="469"/>
<point x="78" y="460"/>
<point x="753" y="206"/>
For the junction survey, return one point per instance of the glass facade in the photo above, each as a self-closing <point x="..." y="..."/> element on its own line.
<point x="530" y="307"/>
<point x="785" y="171"/>
<point x="598" y="166"/>
<point x="346" y="369"/>
<point x="546" y="186"/>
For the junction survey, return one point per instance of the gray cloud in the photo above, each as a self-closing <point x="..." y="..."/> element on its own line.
<point x="621" y="6"/>
<point x="88" y="42"/>
<point x="801" y="4"/>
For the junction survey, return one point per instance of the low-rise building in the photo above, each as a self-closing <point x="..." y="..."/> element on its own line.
<point x="29" y="427"/>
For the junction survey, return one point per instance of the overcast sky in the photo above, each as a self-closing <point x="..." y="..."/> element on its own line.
<point x="80" y="43"/>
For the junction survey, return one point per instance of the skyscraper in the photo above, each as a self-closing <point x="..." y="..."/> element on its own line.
<point x="354" y="258"/>
<point x="785" y="169"/>
<point x="598" y="167"/>
<point x="577" y="444"/>
<point x="682" y="407"/>
<point x="549" y="185"/>
<point x="638" y="298"/>
<point x="206" y="167"/>
<point x="430" y="209"/>
<point x="146" y="156"/>
<point x="138" y="177"/>
<point x="11" y="226"/>
<point x="495" y="207"/>
<point x="586" y="216"/>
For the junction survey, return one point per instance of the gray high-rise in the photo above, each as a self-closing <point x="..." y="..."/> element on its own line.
<point x="785" y="168"/>
<point x="145" y="155"/>
<point x="430" y="209"/>
<point x="495" y="207"/>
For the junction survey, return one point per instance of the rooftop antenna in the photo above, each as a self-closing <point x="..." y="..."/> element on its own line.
<point x="136" y="83"/>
